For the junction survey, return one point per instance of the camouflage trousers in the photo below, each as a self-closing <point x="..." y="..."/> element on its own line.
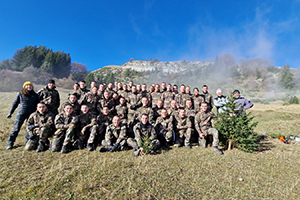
<point x="215" y="134"/>
<point x="184" y="136"/>
<point x="89" y="135"/>
<point x="122" y="144"/>
<point x="154" y="144"/>
<point x="62" y="138"/>
<point x="165" y="134"/>
<point x="42" y="135"/>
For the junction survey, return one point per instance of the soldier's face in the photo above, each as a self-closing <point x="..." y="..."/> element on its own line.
<point x="144" y="87"/>
<point x="41" y="108"/>
<point x="133" y="89"/>
<point x="93" y="84"/>
<point x="164" y="113"/>
<point x="95" y="90"/>
<point x="68" y="110"/>
<point x="116" y="121"/>
<point x="119" y="85"/>
<point x="110" y="86"/>
<point x="82" y="84"/>
<point x="124" y="87"/>
<point x="105" y="110"/>
<point x="101" y="87"/>
<point x="138" y="87"/>
<point x="163" y="86"/>
<point x="204" y="89"/>
<point x="182" y="88"/>
<point x="173" y="104"/>
<point x="145" y="101"/>
<point x="115" y="96"/>
<point x="84" y="109"/>
<point x="75" y="87"/>
<point x="175" y="89"/>
<point x="187" y="90"/>
<point x="159" y="104"/>
<point x="157" y="88"/>
<point x="50" y="86"/>
<point x="196" y="92"/>
<point x="204" y="107"/>
<point x="144" y="119"/>
<point x="182" y="113"/>
<point x="72" y="98"/>
<point x="130" y="83"/>
<point x="169" y="87"/>
<point x="122" y="101"/>
<point x="106" y="95"/>
<point x="188" y="104"/>
<point x="28" y="87"/>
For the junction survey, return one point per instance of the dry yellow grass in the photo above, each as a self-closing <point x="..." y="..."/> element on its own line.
<point x="271" y="173"/>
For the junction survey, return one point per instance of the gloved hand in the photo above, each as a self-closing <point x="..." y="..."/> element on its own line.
<point x="8" y="116"/>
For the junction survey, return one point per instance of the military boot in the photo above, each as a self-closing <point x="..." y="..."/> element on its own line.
<point x="202" y="142"/>
<point x="9" y="147"/>
<point x="40" y="148"/>
<point x="64" y="149"/>
<point x="217" y="150"/>
<point x="90" y="147"/>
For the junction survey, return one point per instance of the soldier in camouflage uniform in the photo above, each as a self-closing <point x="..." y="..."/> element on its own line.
<point x="124" y="92"/>
<point x="163" y="87"/>
<point x="87" y="129"/>
<point x="204" y="128"/>
<point x="173" y="110"/>
<point x="107" y="101"/>
<point x="197" y="99"/>
<point x="157" y="109"/>
<point x="115" y="136"/>
<point x="187" y="95"/>
<point x="73" y="101"/>
<point x="175" y="90"/>
<point x="191" y="113"/>
<point x="50" y="96"/>
<point x="142" y="130"/>
<point x="103" y="120"/>
<point x="82" y="90"/>
<point x="164" y="127"/>
<point x="183" y="129"/>
<point x="91" y="99"/>
<point x="40" y="126"/>
<point x="110" y="89"/>
<point x="65" y="123"/>
<point x="145" y="93"/>
<point x="122" y="110"/>
<point x="179" y="97"/>
<point x="156" y="95"/>
<point x="168" y="96"/>
<point x="144" y="109"/>
<point x="101" y="90"/>
<point x="75" y="90"/>
<point x="208" y="98"/>
<point x="139" y="88"/>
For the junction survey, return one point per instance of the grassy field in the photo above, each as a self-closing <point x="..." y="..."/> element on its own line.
<point x="270" y="173"/>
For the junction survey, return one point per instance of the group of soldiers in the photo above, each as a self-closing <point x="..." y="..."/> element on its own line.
<point x="118" y="116"/>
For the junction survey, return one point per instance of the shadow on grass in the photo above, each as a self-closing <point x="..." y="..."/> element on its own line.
<point x="265" y="145"/>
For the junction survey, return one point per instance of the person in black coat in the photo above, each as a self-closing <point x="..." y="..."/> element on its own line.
<point x="27" y="100"/>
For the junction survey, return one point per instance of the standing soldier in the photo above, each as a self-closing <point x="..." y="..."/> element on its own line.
<point x="203" y="124"/>
<point x="168" y="96"/>
<point x="143" y="130"/>
<point x="115" y="136"/>
<point x="50" y="96"/>
<point x="40" y="126"/>
<point x="101" y="90"/>
<point x="130" y="84"/>
<point x="93" y="84"/>
<point x="164" y="127"/>
<point x="75" y="90"/>
<point x="183" y="129"/>
<point x="65" y="123"/>
<point x="145" y="93"/>
<point x="124" y="92"/>
<point x="187" y="95"/>
<point x="27" y="101"/>
<point x="156" y="95"/>
<point x="87" y="129"/>
<point x="91" y="99"/>
<point x="163" y="87"/>
<point x="197" y="99"/>
<point x="173" y="110"/>
<point x="82" y="90"/>
<point x="110" y="89"/>
<point x="139" y="88"/>
<point x="122" y="110"/>
<point x="175" y="90"/>
<point x="208" y="98"/>
<point x="179" y="97"/>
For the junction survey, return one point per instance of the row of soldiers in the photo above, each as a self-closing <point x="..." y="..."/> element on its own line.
<point x="122" y="117"/>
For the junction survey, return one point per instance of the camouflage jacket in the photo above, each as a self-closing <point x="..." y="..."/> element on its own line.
<point x="132" y="98"/>
<point x="156" y="112"/>
<point x="147" y="110"/>
<point x="106" y="102"/>
<point x="168" y="96"/>
<point x="141" y="131"/>
<point x="122" y="111"/>
<point x="197" y="100"/>
<point x="173" y="112"/>
<point x="156" y="96"/>
<point x="164" y="124"/>
<point x="208" y="98"/>
<point x="183" y="123"/>
<point x="115" y="134"/>
<point x="82" y="92"/>
<point x="180" y="100"/>
<point x="203" y="121"/>
<point x="186" y="97"/>
<point x="145" y="94"/>
<point x="50" y="98"/>
<point x="38" y="120"/>
<point x="104" y="119"/>
<point x="124" y="93"/>
<point x="62" y="120"/>
<point x="91" y="100"/>
<point x="87" y="119"/>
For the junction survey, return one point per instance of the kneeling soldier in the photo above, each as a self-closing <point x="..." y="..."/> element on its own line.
<point x="65" y="123"/>
<point x="183" y="129"/>
<point x="164" y="127"/>
<point x="204" y="127"/>
<point x="143" y="130"/>
<point x="39" y="126"/>
<point x="115" y="136"/>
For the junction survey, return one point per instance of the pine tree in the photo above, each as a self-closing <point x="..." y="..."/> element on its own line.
<point x="236" y="127"/>
<point x="287" y="77"/>
<point x="146" y="144"/>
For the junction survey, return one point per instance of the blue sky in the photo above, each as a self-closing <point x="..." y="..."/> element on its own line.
<point x="110" y="32"/>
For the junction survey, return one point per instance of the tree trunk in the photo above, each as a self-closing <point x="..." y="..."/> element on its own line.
<point x="229" y="145"/>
